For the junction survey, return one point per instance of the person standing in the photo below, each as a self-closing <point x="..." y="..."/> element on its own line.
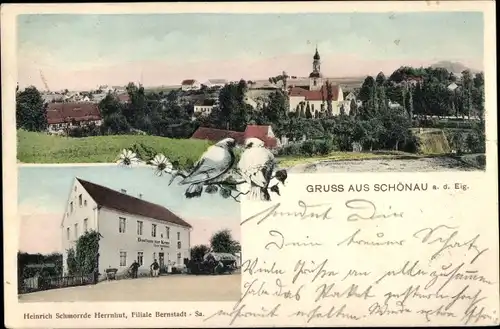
<point x="134" y="269"/>
<point x="155" y="268"/>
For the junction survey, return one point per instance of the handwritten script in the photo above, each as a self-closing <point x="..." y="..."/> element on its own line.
<point x="358" y="263"/>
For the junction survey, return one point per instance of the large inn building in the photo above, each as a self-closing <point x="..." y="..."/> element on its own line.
<point x="130" y="227"/>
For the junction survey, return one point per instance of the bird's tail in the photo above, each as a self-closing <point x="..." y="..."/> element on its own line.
<point x="258" y="193"/>
<point x="194" y="191"/>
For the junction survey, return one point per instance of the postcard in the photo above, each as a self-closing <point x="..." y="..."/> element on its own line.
<point x="251" y="165"/>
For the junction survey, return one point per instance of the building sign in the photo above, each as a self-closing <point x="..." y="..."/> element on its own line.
<point x="156" y="243"/>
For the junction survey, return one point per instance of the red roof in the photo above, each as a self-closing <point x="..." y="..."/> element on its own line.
<point x="216" y="135"/>
<point x="315" y="95"/>
<point x="106" y="197"/>
<point x="262" y="133"/>
<point x="67" y="112"/>
<point x="188" y="82"/>
<point x="259" y="132"/>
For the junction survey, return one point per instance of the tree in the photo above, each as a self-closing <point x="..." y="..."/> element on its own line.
<point x="31" y="111"/>
<point x="198" y="251"/>
<point x="116" y="123"/>
<point x="110" y="105"/>
<point x="308" y="111"/>
<point x="381" y="98"/>
<point x="366" y="91"/>
<point x="222" y="241"/>
<point x="368" y="95"/>
<point x="329" y="98"/>
<point x="396" y="128"/>
<point x="353" y="108"/>
<point x="467" y="84"/>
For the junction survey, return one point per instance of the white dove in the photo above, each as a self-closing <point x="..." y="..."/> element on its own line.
<point x="256" y="166"/>
<point x="215" y="162"/>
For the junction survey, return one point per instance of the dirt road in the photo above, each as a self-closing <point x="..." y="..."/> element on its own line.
<point x="163" y="288"/>
<point x="384" y="165"/>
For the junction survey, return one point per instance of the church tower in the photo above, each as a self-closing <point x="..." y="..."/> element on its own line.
<point x="316" y="78"/>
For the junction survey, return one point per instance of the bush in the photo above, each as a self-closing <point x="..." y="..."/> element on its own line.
<point x="411" y="145"/>
<point x="308" y="147"/>
<point x="324" y="147"/>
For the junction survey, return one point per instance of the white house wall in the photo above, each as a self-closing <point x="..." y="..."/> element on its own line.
<point x="77" y="216"/>
<point x="113" y="242"/>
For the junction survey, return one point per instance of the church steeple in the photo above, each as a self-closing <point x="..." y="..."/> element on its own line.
<point x="316" y="55"/>
<point x="315" y="78"/>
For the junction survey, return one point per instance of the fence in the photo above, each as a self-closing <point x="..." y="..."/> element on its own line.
<point x="38" y="283"/>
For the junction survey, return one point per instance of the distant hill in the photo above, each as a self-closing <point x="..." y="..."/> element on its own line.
<point x="454" y="67"/>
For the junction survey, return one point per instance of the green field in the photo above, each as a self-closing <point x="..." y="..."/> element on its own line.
<point x="35" y="147"/>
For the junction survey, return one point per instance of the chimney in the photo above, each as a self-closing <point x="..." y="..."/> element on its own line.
<point x="123" y="191"/>
<point x="140" y="195"/>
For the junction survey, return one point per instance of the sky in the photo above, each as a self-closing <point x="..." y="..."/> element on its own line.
<point x="82" y="51"/>
<point x="43" y="192"/>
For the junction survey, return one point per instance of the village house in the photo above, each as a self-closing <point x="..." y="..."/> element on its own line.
<point x="131" y="228"/>
<point x="204" y="107"/>
<point x="190" y="84"/>
<point x="264" y="133"/>
<point x="61" y="116"/>
<point x="315" y="96"/>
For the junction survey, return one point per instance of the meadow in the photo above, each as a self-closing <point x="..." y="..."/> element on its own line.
<point x="34" y="147"/>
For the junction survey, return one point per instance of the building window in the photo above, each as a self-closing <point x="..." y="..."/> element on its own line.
<point x="179" y="245"/>
<point x="139" y="227"/>
<point x="153" y="230"/>
<point x="178" y="235"/>
<point x="154" y="256"/>
<point x="140" y="258"/>
<point x="123" y="258"/>
<point x="312" y="107"/>
<point x="76" y="231"/>
<point x="121" y="227"/>
<point x="179" y="258"/>
<point x="80" y="201"/>
<point x="85" y="224"/>
<point x="75" y="188"/>
<point x="314" y="82"/>
<point x="85" y="203"/>
<point x="71" y="207"/>
<point x="67" y="233"/>
<point x="168" y="232"/>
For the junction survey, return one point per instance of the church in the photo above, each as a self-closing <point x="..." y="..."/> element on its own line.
<point x="315" y="94"/>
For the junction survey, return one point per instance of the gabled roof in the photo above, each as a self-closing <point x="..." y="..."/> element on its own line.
<point x="262" y="133"/>
<point x="108" y="198"/>
<point x="315" y="95"/>
<point x="67" y="112"/>
<point x="217" y="81"/>
<point x="188" y="82"/>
